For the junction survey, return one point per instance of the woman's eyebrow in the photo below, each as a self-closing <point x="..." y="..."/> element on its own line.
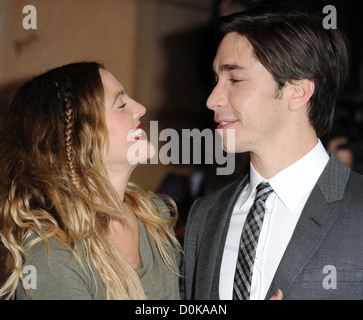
<point x="118" y="93"/>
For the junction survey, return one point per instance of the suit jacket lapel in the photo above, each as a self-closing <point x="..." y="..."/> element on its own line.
<point x="319" y="214"/>
<point x="213" y="241"/>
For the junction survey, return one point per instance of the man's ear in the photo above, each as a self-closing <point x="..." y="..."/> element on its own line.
<point x="300" y="93"/>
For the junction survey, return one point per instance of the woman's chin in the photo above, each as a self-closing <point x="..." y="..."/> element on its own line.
<point x="140" y="151"/>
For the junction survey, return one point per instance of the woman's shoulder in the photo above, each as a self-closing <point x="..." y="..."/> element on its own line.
<point x="163" y="204"/>
<point x="52" y="259"/>
<point x="51" y="271"/>
<point x="43" y="252"/>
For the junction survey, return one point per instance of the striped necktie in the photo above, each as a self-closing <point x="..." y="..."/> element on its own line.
<point x="248" y="244"/>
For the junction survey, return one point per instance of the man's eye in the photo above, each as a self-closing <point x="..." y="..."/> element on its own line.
<point x="235" y="80"/>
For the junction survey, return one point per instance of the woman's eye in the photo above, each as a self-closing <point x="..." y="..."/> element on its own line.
<point x="122" y="106"/>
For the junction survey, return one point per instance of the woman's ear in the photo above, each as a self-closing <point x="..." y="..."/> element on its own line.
<point x="300" y="93"/>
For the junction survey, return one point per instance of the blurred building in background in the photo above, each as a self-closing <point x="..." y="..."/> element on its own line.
<point x="128" y="36"/>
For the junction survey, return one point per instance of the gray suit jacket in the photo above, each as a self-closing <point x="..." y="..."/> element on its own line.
<point x="323" y="260"/>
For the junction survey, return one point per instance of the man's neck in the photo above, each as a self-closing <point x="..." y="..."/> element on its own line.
<point x="270" y="161"/>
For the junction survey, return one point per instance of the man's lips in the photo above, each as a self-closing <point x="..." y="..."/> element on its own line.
<point x="224" y="124"/>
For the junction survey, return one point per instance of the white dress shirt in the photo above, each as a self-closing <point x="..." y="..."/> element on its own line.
<point x="292" y="187"/>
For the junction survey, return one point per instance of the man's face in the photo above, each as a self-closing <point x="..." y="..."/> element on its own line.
<point x="246" y="98"/>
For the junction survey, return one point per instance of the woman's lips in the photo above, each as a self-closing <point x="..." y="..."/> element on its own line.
<point x="137" y="133"/>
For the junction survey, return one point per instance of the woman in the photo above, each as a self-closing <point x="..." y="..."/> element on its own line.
<point x="67" y="210"/>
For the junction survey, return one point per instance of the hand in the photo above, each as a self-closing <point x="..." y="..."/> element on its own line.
<point x="278" y="295"/>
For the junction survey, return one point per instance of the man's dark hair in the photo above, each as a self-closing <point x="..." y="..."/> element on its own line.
<point x="292" y="45"/>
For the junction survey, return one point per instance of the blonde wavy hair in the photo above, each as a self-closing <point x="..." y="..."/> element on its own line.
<point x="54" y="185"/>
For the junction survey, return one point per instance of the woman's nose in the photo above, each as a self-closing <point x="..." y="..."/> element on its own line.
<point x="140" y="110"/>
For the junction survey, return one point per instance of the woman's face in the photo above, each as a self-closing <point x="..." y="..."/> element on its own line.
<point x="128" y="145"/>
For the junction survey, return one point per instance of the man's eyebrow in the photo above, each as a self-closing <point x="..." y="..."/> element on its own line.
<point x="230" y="67"/>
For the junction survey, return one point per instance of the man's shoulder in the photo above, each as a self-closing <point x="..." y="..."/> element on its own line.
<point x="203" y="206"/>
<point x="215" y="196"/>
<point x="356" y="179"/>
<point x="354" y="191"/>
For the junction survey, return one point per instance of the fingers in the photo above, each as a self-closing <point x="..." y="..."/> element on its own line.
<point x="278" y="295"/>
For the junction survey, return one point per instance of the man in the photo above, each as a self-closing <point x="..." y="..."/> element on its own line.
<point x="278" y="75"/>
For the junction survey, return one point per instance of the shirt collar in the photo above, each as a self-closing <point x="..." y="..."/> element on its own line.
<point x="293" y="183"/>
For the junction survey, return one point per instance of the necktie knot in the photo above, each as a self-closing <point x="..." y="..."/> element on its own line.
<point x="263" y="191"/>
